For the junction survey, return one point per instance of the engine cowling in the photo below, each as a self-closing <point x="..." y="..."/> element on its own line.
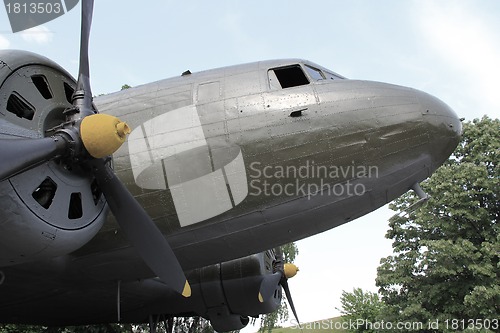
<point x="54" y="208"/>
<point x="230" y="290"/>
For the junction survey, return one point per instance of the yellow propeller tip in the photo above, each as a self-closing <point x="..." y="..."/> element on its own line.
<point x="187" y="290"/>
<point x="261" y="299"/>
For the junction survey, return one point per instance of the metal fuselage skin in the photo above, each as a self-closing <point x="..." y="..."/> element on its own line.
<point x="244" y="164"/>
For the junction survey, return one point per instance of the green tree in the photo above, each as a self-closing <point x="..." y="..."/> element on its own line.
<point x="104" y="328"/>
<point x="361" y="306"/>
<point x="446" y="253"/>
<point x="192" y="325"/>
<point x="11" y="328"/>
<point x="125" y="86"/>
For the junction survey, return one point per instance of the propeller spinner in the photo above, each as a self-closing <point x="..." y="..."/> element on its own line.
<point x="87" y="138"/>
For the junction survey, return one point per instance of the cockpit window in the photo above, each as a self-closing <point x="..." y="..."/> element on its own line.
<point x="287" y="77"/>
<point x="314" y="73"/>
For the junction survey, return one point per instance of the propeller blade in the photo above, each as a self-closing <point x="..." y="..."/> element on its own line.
<point x="133" y="220"/>
<point x="141" y="230"/>
<point x="18" y="155"/>
<point x="284" y="284"/>
<point x="83" y="93"/>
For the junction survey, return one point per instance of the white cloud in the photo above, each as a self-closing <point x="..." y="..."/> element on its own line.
<point x="467" y="41"/>
<point x="39" y="35"/>
<point x="4" y="43"/>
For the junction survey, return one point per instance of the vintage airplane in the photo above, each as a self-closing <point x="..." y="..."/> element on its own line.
<point x="219" y="165"/>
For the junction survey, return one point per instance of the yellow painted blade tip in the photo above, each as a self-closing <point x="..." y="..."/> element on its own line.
<point x="187" y="290"/>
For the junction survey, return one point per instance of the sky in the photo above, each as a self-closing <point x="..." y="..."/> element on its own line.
<point x="449" y="48"/>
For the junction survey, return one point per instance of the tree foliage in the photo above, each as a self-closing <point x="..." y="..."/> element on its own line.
<point x="104" y="328"/>
<point x="446" y="253"/>
<point x="361" y="306"/>
<point x="192" y="325"/>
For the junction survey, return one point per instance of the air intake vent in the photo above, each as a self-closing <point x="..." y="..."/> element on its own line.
<point x="75" y="206"/>
<point x="42" y="85"/>
<point x="69" y="92"/>
<point x="45" y="192"/>
<point x="18" y="106"/>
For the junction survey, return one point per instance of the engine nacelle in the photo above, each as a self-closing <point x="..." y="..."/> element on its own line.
<point x="230" y="290"/>
<point x="52" y="209"/>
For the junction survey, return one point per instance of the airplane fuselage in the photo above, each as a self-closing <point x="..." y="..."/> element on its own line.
<point x="232" y="161"/>
<point x="228" y="161"/>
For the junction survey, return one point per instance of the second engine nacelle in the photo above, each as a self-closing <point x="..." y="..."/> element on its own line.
<point x="230" y="290"/>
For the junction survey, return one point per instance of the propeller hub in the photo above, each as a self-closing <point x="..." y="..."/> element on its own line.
<point x="290" y="270"/>
<point x="122" y="129"/>
<point x="103" y="134"/>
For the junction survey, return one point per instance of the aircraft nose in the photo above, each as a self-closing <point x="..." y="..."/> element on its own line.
<point x="444" y="127"/>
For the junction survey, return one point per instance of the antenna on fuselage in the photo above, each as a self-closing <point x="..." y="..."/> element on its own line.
<point x="424" y="197"/>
